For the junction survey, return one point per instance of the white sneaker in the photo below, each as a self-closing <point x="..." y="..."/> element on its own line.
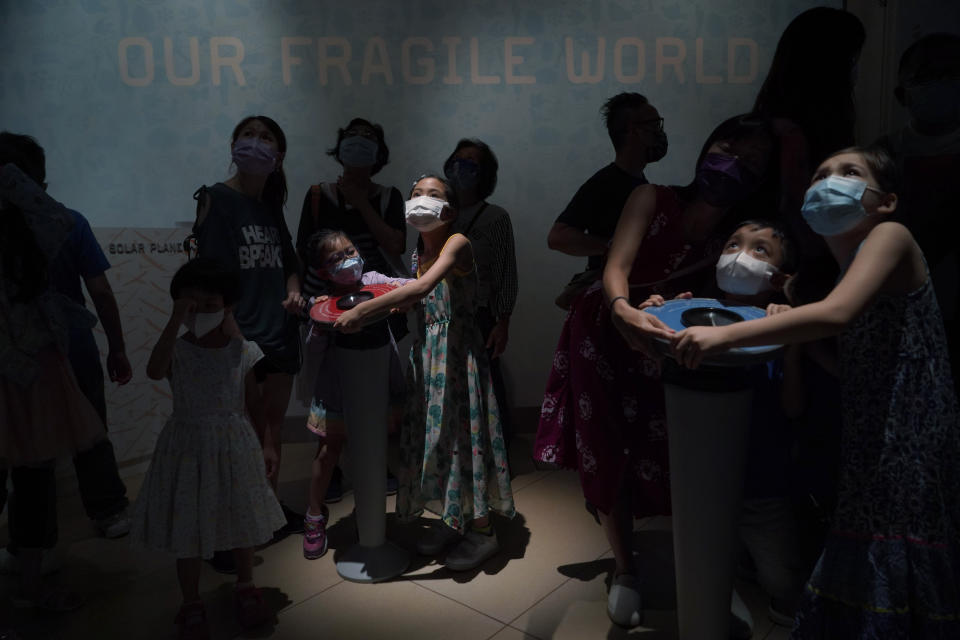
<point x="741" y="620"/>
<point x="115" y="526"/>
<point x="623" y="602"/>
<point x="779" y="613"/>
<point x="438" y="538"/>
<point x="474" y="549"/>
<point x="10" y="564"/>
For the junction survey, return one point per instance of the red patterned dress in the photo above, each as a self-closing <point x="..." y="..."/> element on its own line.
<point x="603" y="410"/>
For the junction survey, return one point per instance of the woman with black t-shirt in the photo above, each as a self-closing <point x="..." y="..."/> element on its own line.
<point x="372" y="217"/>
<point x="240" y="223"/>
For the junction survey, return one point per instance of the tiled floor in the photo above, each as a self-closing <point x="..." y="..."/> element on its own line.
<point x="549" y="581"/>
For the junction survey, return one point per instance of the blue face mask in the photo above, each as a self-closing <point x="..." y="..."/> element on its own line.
<point x="357" y="151"/>
<point x="834" y="205"/>
<point x="935" y="103"/>
<point x="347" y="271"/>
<point x="463" y="173"/>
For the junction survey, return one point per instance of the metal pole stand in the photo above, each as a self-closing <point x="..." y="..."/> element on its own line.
<point x="364" y="375"/>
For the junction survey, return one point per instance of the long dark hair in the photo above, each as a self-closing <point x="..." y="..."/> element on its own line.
<point x="24" y="265"/>
<point x="763" y="200"/>
<point x="275" y="189"/>
<point x="210" y="276"/>
<point x="811" y="78"/>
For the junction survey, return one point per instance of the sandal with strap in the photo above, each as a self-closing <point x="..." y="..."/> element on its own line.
<point x="252" y="610"/>
<point x="192" y="620"/>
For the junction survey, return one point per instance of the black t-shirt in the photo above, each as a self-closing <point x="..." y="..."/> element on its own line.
<point x="596" y="206"/>
<point x="243" y="234"/>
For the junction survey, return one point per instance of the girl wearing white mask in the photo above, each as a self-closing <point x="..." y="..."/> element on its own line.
<point x="207" y="489"/>
<point x="455" y="460"/>
<point x="240" y="223"/>
<point x="891" y="563"/>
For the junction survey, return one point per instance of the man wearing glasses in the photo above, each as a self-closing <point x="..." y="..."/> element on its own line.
<point x="587" y="224"/>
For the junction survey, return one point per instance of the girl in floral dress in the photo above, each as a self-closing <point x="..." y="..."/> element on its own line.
<point x="455" y="461"/>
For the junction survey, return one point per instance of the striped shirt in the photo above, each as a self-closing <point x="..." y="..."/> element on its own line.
<point x="490" y="232"/>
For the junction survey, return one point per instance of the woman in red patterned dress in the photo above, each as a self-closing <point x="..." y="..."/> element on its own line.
<point x="603" y="410"/>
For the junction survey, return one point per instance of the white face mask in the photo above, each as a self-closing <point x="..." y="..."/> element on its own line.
<point x="744" y="275"/>
<point x="423" y="213"/>
<point x="200" y="324"/>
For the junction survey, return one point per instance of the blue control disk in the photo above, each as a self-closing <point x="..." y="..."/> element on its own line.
<point x="680" y="314"/>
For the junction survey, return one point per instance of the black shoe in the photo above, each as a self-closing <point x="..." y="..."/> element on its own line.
<point x="223" y="562"/>
<point x="294" y="524"/>
<point x="335" y="490"/>
<point x="392" y="484"/>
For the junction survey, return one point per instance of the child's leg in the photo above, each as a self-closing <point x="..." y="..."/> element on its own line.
<point x="328" y="454"/>
<point x="33" y="521"/>
<point x="244" y="560"/>
<point x="624" y="606"/>
<point x="188" y="573"/>
<point x="768" y="530"/>
<point x="618" y="527"/>
<point x="275" y="394"/>
<point x="252" y="610"/>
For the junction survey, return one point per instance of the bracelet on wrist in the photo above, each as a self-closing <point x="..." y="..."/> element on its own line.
<point x="614" y="301"/>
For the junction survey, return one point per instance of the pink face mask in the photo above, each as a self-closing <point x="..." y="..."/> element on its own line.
<point x="254" y="156"/>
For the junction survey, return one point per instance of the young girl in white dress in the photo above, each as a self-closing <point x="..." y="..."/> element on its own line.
<point x="207" y="489"/>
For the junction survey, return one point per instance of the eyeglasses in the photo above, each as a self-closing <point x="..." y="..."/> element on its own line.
<point x="657" y="122"/>
<point x="363" y="133"/>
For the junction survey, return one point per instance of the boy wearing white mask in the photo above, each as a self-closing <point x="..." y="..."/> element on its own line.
<point x="335" y="268"/>
<point x="753" y="270"/>
<point x="454" y="457"/>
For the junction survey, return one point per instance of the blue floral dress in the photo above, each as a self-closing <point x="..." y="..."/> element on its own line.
<point x="451" y="440"/>
<point x="890" y="568"/>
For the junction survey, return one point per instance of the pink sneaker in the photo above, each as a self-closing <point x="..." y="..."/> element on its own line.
<point x="315" y="535"/>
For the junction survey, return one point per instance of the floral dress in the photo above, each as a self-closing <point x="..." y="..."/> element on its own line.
<point x="206" y="489"/>
<point x="454" y="457"/>
<point x="603" y="412"/>
<point x="890" y="567"/>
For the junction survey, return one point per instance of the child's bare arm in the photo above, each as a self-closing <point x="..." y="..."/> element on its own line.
<point x="158" y="367"/>
<point x="457" y="251"/>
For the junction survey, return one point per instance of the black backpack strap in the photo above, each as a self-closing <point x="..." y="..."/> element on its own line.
<point x="191" y="244"/>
